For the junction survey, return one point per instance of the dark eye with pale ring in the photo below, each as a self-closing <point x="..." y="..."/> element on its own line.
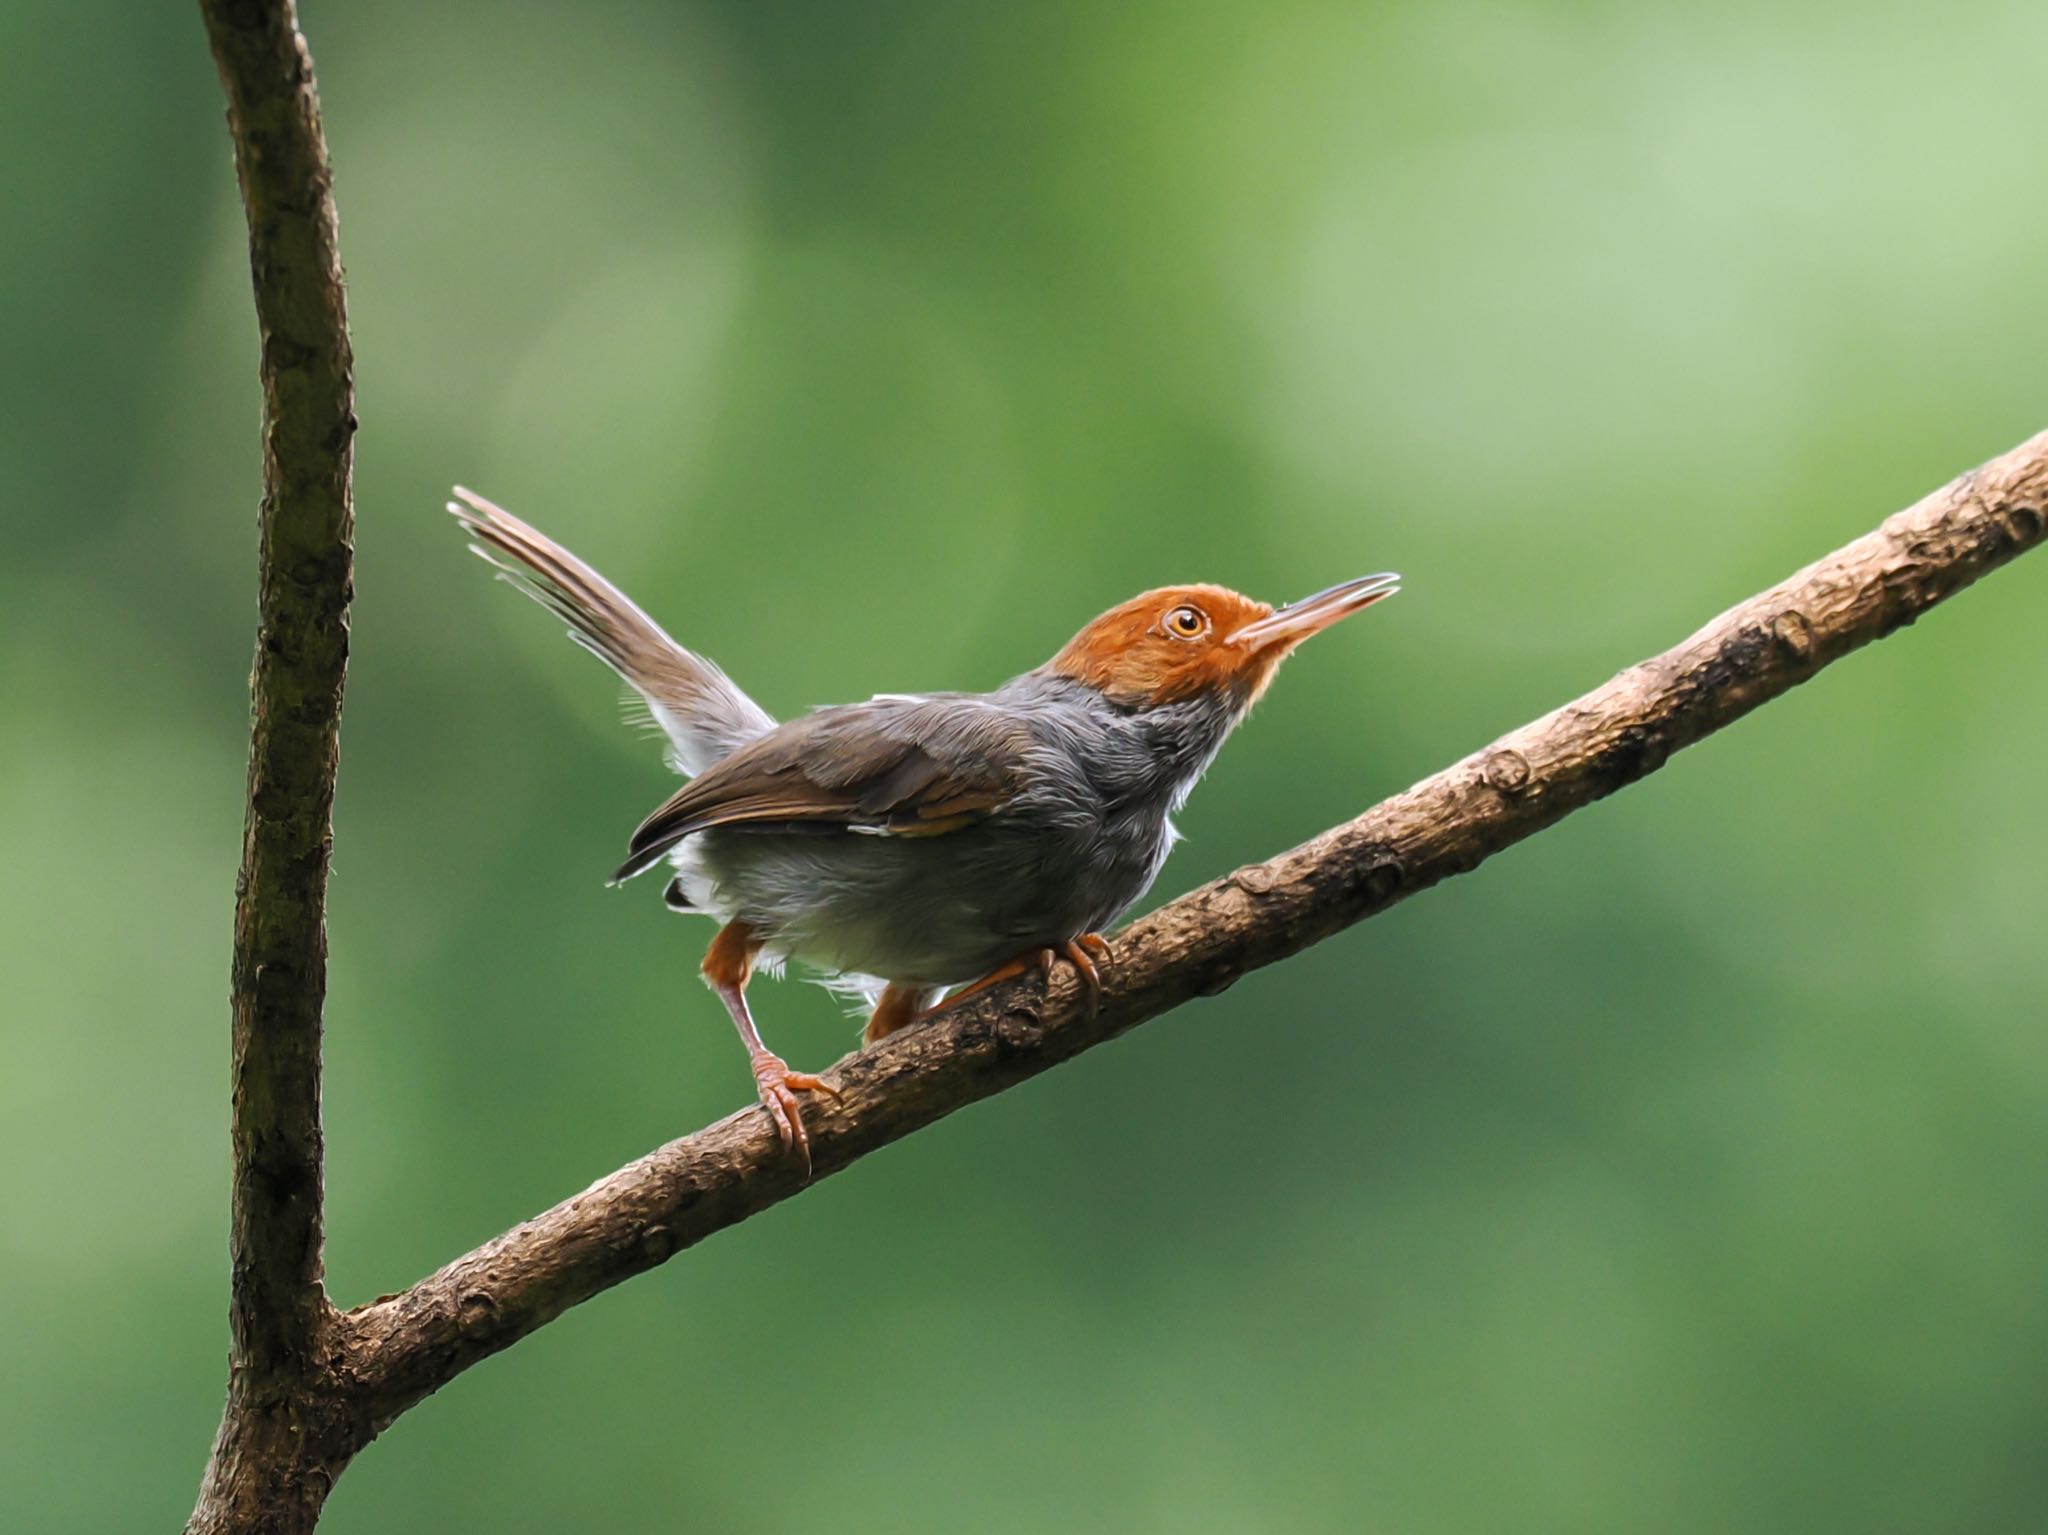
<point x="1186" y="622"/>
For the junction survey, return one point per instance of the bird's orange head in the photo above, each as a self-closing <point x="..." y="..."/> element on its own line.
<point x="1180" y="641"/>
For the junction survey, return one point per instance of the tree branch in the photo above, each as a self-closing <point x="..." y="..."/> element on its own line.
<point x="309" y="1388"/>
<point x="278" y="1311"/>
<point x="401" y="1348"/>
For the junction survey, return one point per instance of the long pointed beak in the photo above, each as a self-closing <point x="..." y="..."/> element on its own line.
<point x="1298" y="620"/>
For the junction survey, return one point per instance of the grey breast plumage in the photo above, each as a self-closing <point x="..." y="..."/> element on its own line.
<point x="929" y="838"/>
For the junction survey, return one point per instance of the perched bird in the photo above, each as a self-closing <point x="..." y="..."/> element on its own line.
<point x="920" y="842"/>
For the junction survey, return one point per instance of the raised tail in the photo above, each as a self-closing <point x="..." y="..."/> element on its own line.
<point x="697" y="706"/>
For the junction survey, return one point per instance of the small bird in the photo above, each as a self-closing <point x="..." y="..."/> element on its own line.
<point x="923" y="842"/>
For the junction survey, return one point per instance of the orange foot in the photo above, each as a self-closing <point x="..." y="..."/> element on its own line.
<point x="778" y="1086"/>
<point x="1085" y="953"/>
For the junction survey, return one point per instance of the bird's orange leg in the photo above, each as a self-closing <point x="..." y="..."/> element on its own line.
<point x="1031" y="959"/>
<point x="728" y="966"/>
<point x="1084" y="953"/>
<point x="899" y="1007"/>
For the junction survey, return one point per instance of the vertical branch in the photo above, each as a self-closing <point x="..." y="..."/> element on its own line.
<point x="271" y="1464"/>
<point x="280" y="964"/>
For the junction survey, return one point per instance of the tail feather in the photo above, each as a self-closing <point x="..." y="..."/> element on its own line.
<point x="704" y="715"/>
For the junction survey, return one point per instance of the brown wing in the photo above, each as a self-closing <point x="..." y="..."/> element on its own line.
<point x="899" y="767"/>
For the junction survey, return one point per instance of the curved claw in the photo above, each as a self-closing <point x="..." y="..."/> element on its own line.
<point x="804" y="1082"/>
<point x="778" y="1087"/>
<point x="1082" y="954"/>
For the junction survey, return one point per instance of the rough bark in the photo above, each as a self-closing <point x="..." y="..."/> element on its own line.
<point x="278" y="1312"/>
<point x="309" y="1387"/>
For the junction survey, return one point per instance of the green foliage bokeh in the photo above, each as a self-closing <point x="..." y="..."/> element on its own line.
<point x="1682" y="1171"/>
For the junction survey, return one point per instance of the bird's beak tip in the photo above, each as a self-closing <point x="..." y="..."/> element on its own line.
<point x="1298" y="620"/>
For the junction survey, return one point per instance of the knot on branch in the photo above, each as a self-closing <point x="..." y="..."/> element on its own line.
<point x="2026" y="523"/>
<point x="1505" y="771"/>
<point x="1255" y="879"/>
<point x="1793" y="634"/>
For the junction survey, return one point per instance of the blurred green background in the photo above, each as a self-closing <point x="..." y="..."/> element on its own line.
<point x="1682" y="1171"/>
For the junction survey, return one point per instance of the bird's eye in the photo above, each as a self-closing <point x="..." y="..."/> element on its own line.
<point x="1186" y="622"/>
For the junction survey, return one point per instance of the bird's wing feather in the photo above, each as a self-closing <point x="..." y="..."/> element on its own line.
<point x="704" y="715"/>
<point x="898" y="767"/>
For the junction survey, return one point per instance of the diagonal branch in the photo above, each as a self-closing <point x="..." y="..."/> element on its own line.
<point x="406" y="1346"/>
<point x="278" y="1311"/>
